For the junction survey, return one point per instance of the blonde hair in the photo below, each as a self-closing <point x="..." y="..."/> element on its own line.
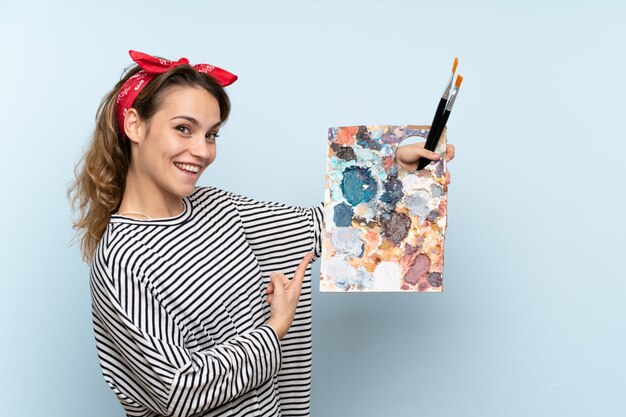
<point x="100" y="175"/>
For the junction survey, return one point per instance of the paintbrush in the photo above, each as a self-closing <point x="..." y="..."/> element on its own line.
<point x="431" y="139"/>
<point x="446" y="114"/>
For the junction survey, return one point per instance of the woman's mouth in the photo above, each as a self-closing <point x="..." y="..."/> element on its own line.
<point x="188" y="169"/>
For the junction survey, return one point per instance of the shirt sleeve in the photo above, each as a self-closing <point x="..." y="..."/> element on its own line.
<point x="276" y="231"/>
<point x="144" y="358"/>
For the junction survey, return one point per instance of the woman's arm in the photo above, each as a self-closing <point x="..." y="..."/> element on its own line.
<point x="280" y="236"/>
<point x="276" y="231"/>
<point x="143" y="353"/>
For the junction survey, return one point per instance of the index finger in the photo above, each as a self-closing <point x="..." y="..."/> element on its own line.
<point x="298" y="276"/>
<point x="412" y="153"/>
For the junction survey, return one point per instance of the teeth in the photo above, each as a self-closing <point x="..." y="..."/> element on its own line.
<point x="187" y="167"/>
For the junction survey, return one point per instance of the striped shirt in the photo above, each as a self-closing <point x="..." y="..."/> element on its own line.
<point x="179" y="308"/>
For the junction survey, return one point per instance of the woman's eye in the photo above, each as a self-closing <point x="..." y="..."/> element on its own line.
<point x="183" y="129"/>
<point x="212" y="136"/>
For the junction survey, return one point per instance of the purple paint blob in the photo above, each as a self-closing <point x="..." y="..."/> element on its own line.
<point x="391" y="138"/>
<point x="439" y="168"/>
<point x="343" y="152"/>
<point x="396" y="227"/>
<point x="435" y="279"/>
<point x="346" y="153"/>
<point x="410" y="249"/>
<point x="418" y="270"/>
<point x="432" y="216"/>
<point x="332" y="134"/>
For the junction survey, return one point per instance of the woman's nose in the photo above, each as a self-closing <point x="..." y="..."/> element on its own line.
<point x="200" y="148"/>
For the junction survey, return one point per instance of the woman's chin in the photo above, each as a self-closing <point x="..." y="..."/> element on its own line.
<point x="186" y="191"/>
<point x="182" y="190"/>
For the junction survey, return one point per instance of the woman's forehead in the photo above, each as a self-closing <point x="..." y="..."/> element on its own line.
<point x="193" y="102"/>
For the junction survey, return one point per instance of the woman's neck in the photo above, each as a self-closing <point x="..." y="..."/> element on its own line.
<point x="142" y="197"/>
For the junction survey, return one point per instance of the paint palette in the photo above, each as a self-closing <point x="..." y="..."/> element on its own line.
<point x="384" y="226"/>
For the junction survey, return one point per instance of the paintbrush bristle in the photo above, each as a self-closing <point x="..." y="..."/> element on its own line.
<point x="459" y="80"/>
<point x="456" y="63"/>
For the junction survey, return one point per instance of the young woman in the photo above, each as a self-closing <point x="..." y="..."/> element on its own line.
<point x="193" y="312"/>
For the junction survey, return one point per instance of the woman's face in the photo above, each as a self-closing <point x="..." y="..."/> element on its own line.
<point x="178" y="143"/>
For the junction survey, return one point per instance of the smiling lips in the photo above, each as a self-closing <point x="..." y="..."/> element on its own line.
<point x="188" y="168"/>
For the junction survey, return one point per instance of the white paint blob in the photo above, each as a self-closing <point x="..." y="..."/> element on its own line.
<point x="419" y="203"/>
<point x="339" y="271"/>
<point x="387" y="277"/>
<point x="347" y="241"/>
<point x="367" y="211"/>
<point x="411" y="182"/>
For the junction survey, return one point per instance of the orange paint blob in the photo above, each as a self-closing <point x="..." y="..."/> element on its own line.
<point x="346" y="135"/>
<point x="388" y="162"/>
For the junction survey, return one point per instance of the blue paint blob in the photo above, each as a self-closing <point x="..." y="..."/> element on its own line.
<point x="436" y="190"/>
<point x="364" y="139"/>
<point x="343" y="215"/>
<point x="358" y="185"/>
<point x="363" y="279"/>
<point x="393" y="191"/>
<point x="417" y="203"/>
<point x="408" y="133"/>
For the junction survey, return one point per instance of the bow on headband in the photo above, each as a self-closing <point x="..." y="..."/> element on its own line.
<point x="151" y="67"/>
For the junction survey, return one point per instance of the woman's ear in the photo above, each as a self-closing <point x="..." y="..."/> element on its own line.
<point x="134" y="126"/>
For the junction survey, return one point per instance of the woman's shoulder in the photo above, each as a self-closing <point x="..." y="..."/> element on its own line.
<point x="116" y="237"/>
<point x="206" y="195"/>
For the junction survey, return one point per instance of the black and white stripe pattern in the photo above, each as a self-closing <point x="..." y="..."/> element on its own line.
<point x="179" y="308"/>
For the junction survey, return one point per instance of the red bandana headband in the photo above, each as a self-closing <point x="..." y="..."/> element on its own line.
<point x="151" y="67"/>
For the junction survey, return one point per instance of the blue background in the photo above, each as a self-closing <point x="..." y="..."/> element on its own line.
<point x="532" y="319"/>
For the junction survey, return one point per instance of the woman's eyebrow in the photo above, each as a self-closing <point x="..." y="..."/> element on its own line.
<point x="193" y="121"/>
<point x="188" y="118"/>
